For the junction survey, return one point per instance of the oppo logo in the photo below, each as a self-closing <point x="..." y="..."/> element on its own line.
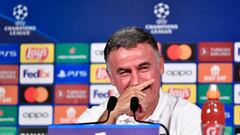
<point x="179" y="72"/>
<point x="35" y="115"/>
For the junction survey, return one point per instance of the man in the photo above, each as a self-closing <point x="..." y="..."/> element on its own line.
<point x="135" y="66"/>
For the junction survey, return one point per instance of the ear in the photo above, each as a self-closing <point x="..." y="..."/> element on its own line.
<point x="161" y="64"/>
<point x="159" y="48"/>
<point x="110" y="77"/>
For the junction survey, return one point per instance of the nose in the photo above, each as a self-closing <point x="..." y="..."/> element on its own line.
<point x="136" y="78"/>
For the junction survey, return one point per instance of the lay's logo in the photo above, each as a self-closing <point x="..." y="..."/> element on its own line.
<point x="37" y="53"/>
<point x="237" y="114"/>
<point x="99" y="74"/>
<point x="185" y="91"/>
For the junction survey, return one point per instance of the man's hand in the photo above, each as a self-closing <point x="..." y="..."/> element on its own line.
<point x="123" y="104"/>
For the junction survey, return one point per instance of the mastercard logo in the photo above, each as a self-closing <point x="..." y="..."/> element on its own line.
<point x="179" y="52"/>
<point x="39" y="94"/>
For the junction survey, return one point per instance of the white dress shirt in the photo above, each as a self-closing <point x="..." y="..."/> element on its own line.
<point x="179" y="115"/>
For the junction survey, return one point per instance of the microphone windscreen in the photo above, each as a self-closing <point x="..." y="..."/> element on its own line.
<point x="111" y="103"/>
<point x="134" y="104"/>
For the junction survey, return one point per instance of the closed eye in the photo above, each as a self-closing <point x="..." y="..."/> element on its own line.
<point x="144" y="67"/>
<point x="124" y="72"/>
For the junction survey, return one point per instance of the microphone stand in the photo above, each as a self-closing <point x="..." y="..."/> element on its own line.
<point x="134" y="106"/>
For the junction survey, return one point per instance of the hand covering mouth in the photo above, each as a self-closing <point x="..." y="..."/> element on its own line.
<point x="146" y="88"/>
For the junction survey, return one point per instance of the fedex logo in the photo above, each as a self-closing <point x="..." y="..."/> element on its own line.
<point x="40" y="73"/>
<point x="101" y="93"/>
<point x="36" y="74"/>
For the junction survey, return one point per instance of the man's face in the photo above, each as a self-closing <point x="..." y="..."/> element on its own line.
<point x="130" y="67"/>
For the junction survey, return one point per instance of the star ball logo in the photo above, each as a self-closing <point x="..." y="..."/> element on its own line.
<point x="161" y="11"/>
<point x="20" y="12"/>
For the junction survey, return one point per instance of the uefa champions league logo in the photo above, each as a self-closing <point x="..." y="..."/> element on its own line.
<point x="20" y="12"/>
<point x="161" y="11"/>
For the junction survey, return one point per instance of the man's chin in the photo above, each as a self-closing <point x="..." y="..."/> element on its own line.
<point x="140" y="114"/>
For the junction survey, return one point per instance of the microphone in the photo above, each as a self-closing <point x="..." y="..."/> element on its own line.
<point x="112" y="101"/>
<point x="134" y="104"/>
<point x="110" y="107"/>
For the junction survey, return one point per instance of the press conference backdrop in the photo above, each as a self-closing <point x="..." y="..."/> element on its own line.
<point x="51" y="55"/>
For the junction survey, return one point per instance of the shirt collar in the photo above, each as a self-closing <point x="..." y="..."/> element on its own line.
<point x="156" y="115"/>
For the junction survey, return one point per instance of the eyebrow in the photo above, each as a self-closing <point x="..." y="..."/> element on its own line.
<point x="126" y="69"/>
<point x="121" y="69"/>
<point x="144" y="63"/>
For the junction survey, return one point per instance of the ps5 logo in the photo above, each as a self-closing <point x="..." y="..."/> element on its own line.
<point x="71" y="73"/>
<point x="8" y="53"/>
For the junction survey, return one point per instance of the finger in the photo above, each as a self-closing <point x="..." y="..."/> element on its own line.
<point x="143" y="105"/>
<point x="145" y="84"/>
<point x="140" y="94"/>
